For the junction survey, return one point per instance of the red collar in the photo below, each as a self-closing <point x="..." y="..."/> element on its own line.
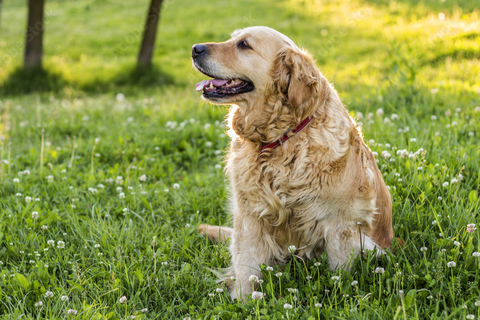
<point x="285" y="137"/>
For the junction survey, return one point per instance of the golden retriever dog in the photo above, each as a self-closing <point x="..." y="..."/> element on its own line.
<point x="299" y="170"/>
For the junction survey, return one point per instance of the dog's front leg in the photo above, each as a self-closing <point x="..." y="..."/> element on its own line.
<point x="249" y="249"/>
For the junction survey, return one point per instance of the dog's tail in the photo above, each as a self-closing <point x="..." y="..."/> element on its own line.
<point x="215" y="233"/>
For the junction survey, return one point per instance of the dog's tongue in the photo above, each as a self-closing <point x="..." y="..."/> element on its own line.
<point x="205" y="83"/>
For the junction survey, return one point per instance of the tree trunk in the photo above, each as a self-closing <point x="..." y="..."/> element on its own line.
<point x="149" y="34"/>
<point x="0" y="13"/>
<point x="34" y="40"/>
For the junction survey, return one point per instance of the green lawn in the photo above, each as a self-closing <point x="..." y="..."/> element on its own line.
<point x="122" y="211"/>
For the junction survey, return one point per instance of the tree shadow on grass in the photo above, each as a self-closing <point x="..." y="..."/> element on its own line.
<point x="22" y="81"/>
<point x="128" y="80"/>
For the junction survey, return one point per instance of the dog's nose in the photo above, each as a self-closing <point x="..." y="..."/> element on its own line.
<point x="198" y="50"/>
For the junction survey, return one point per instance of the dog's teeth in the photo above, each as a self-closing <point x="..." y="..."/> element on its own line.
<point x="211" y="86"/>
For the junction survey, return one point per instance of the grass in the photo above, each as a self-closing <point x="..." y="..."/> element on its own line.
<point x="135" y="236"/>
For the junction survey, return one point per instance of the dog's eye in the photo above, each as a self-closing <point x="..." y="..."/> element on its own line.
<point x="243" y="44"/>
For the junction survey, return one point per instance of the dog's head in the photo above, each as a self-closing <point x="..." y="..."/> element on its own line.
<point x="256" y="63"/>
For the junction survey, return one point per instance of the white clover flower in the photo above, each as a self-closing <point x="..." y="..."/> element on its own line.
<point x="278" y="274"/>
<point x="445" y="184"/>
<point x="287" y="306"/>
<point x="44" y="227"/>
<point x="39" y="304"/>
<point x="96" y="245"/>
<point x="219" y="290"/>
<point x="309" y="277"/>
<point x="292" y="249"/>
<point x="394" y="117"/>
<point x="28" y="199"/>
<point x="233" y="278"/>
<point x="35" y="215"/>
<point x="386" y="154"/>
<point x="476" y="254"/>
<point x="218" y="166"/>
<point x="121" y="195"/>
<point x="456" y="243"/>
<point x="413" y="140"/>
<point x="60" y="244"/>
<point x="379" y="270"/>
<point x="477" y="303"/>
<point x="430" y="297"/>
<point x="253" y="278"/>
<point x="354" y="283"/>
<point x="402" y="153"/>
<point x="51" y="242"/>
<point x="335" y="278"/>
<point x="50" y="178"/>
<point x="318" y="305"/>
<point x="49" y="294"/>
<point x="143" y="178"/>
<point x="211" y="294"/>
<point x="18" y="194"/>
<point x="443" y="250"/>
<point x="451" y="264"/>
<point x="434" y="117"/>
<point x="120" y="97"/>
<point x="186" y="318"/>
<point x="470" y="316"/>
<point x="64" y="298"/>
<point x="440" y="198"/>
<point x="122" y="299"/>
<point x="73" y="312"/>
<point x="208" y="144"/>
<point x="380" y="112"/>
<point x="176" y="186"/>
<point x="16" y="180"/>
<point x="423" y="249"/>
<point x="144" y="310"/>
<point x="257" y="295"/>
<point x="386" y="121"/>
<point x="454" y="181"/>
<point x="292" y="290"/>
<point x="269" y="268"/>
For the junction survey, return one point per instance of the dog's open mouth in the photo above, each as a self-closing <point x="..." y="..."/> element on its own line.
<point x="218" y="88"/>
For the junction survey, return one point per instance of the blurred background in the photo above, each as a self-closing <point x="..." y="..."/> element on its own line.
<point x="364" y="46"/>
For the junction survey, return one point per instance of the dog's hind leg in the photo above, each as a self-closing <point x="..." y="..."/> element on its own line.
<point x="215" y="233"/>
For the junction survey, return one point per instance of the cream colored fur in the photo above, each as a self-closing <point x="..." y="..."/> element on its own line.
<point x="321" y="190"/>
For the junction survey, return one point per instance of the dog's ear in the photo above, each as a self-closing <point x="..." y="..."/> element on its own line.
<point x="295" y="76"/>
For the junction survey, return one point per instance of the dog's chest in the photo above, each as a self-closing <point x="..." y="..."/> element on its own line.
<point x="289" y="188"/>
